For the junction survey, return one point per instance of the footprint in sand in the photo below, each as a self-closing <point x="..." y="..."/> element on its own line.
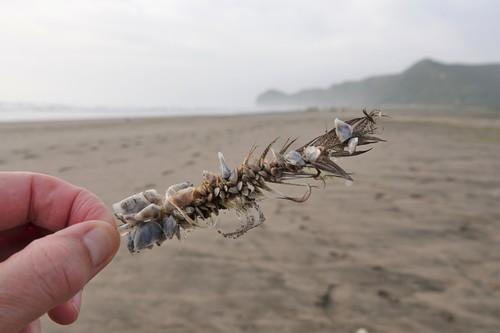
<point x="30" y="156"/>
<point x="338" y="255"/>
<point x="167" y="172"/>
<point x="65" y="168"/>
<point x="388" y="296"/>
<point x="20" y="151"/>
<point x="117" y="160"/>
<point x="325" y="300"/>
<point x="74" y="152"/>
<point x="26" y="153"/>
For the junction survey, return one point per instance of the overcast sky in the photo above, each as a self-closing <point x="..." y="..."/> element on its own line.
<point x="222" y="53"/>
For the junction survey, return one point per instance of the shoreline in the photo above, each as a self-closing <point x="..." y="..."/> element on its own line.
<point x="403" y="110"/>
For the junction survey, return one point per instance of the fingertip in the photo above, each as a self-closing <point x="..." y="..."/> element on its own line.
<point x="68" y="312"/>
<point x="102" y="242"/>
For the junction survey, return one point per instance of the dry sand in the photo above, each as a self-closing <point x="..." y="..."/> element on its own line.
<point x="412" y="245"/>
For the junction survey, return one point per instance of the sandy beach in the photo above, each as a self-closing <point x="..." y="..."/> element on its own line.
<point x="412" y="245"/>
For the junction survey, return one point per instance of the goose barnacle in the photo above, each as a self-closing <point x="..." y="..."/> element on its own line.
<point x="343" y="130"/>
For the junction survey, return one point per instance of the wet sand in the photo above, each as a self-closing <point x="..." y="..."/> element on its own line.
<point x="412" y="245"/>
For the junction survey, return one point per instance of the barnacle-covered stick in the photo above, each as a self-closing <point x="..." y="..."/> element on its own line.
<point x="148" y="218"/>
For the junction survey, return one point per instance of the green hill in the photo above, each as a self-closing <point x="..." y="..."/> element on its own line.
<point x="427" y="82"/>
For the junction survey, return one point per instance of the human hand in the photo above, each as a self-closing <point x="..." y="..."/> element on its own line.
<point x="54" y="238"/>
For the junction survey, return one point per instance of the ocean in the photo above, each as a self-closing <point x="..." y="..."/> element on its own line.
<point x="20" y="112"/>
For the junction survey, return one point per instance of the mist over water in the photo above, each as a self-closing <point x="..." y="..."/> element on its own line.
<point x="11" y="112"/>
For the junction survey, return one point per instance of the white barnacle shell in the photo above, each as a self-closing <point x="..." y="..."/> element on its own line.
<point x="233" y="176"/>
<point x="312" y="153"/>
<point x="233" y="189"/>
<point x="171" y="228"/>
<point x="177" y="187"/>
<point x="294" y="158"/>
<point x="151" y="212"/>
<point x="351" y="145"/>
<point x="146" y="235"/>
<point x="278" y="159"/>
<point x="343" y="130"/>
<point x="152" y="196"/>
<point x="129" y="218"/>
<point x="224" y="169"/>
<point x="131" y="205"/>
<point x="361" y="330"/>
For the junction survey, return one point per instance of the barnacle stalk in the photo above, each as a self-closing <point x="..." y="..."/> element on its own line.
<point x="147" y="218"/>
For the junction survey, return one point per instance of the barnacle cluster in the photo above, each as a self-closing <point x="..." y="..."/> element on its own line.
<point x="148" y="218"/>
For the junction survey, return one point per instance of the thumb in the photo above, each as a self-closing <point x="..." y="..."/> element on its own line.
<point x="50" y="270"/>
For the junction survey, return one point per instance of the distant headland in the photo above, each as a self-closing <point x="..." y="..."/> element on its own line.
<point x="427" y="82"/>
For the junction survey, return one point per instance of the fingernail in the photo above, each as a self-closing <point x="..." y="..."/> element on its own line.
<point x="98" y="243"/>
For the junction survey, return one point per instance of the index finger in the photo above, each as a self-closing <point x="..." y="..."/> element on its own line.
<point x="46" y="202"/>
